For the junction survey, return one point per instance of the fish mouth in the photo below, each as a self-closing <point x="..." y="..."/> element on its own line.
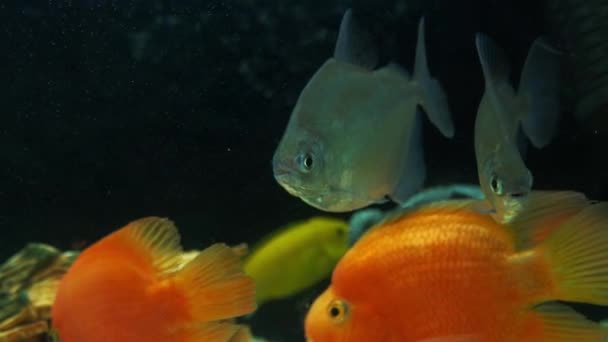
<point x="286" y="181"/>
<point x="329" y="199"/>
<point x="319" y="200"/>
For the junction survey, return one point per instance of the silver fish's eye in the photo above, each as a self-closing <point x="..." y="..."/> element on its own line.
<point x="496" y="185"/>
<point x="305" y="162"/>
<point x="337" y="311"/>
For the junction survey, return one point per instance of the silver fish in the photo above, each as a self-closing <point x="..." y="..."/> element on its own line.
<point x="505" y="114"/>
<point x="354" y="137"/>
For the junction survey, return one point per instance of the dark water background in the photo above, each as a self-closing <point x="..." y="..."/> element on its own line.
<point x="114" y="110"/>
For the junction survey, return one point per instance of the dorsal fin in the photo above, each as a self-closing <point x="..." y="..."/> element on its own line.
<point x="158" y="239"/>
<point x="494" y="62"/>
<point x="354" y="45"/>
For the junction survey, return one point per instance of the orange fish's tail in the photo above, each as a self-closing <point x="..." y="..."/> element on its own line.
<point x="213" y="282"/>
<point x="216" y="286"/>
<point x="577" y="255"/>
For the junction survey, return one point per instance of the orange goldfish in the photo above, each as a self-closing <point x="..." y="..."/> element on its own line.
<point x="447" y="272"/>
<point x="133" y="285"/>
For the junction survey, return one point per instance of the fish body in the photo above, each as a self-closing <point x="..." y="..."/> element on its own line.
<point x="131" y="286"/>
<point x="296" y="257"/>
<point x="449" y="272"/>
<point x="504" y="115"/>
<point x="354" y="137"/>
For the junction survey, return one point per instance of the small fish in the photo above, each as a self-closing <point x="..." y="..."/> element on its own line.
<point x="133" y="286"/>
<point x="448" y="272"/>
<point x="503" y="113"/>
<point x="354" y="137"/>
<point x="296" y="257"/>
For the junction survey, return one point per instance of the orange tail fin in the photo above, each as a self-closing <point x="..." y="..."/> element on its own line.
<point x="216" y="286"/>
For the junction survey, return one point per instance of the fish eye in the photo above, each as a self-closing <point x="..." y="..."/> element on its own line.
<point x="337" y="311"/>
<point x="496" y="185"/>
<point x="305" y="162"/>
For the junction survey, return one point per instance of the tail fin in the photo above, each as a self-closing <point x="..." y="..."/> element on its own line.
<point x="216" y="286"/>
<point x="577" y="253"/>
<point x="434" y="100"/>
<point x="539" y="93"/>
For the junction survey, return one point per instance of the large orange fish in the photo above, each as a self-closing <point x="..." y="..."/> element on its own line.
<point x="132" y="286"/>
<point x="447" y="272"/>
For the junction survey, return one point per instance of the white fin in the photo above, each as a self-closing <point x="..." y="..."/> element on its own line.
<point x="413" y="173"/>
<point x="354" y="45"/>
<point x="434" y="101"/>
<point x="539" y="91"/>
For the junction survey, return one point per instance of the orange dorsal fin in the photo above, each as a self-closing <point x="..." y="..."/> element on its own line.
<point x="215" y="284"/>
<point x="541" y="213"/>
<point x="155" y="238"/>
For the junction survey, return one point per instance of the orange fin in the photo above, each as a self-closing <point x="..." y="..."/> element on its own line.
<point x="214" y="331"/>
<point x="215" y="284"/>
<point x="156" y="238"/>
<point x="560" y="323"/>
<point x="542" y="213"/>
<point x="241" y="249"/>
<point x="242" y="335"/>
<point x="577" y="253"/>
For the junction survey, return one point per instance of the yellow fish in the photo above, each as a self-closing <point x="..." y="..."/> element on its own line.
<point x="296" y="257"/>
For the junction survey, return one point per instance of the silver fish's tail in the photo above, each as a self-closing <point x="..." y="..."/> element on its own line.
<point x="434" y="101"/>
<point x="539" y="93"/>
<point x="582" y="27"/>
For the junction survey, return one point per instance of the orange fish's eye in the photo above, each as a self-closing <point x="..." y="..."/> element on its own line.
<point x="337" y="311"/>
